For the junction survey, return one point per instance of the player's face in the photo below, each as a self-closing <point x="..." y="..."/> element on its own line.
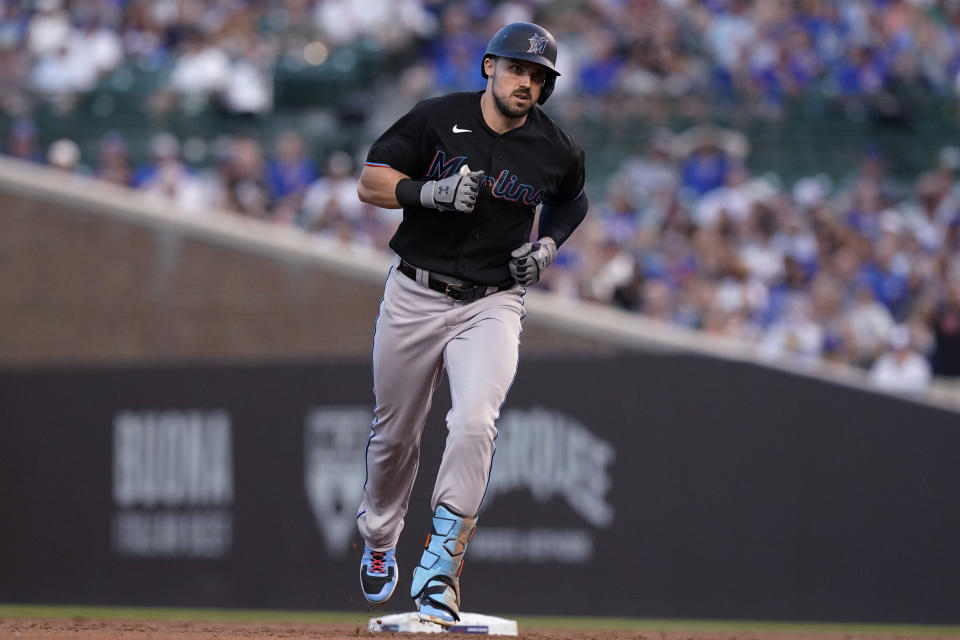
<point x="516" y="85"/>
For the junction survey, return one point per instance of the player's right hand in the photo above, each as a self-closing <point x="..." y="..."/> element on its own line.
<point x="457" y="192"/>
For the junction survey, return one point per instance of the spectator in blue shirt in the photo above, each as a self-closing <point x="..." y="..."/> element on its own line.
<point x="290" y="172"/>
<point x="705" y="168"/>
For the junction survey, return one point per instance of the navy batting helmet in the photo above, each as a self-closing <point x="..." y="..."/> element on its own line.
<point x="526" y="41"/>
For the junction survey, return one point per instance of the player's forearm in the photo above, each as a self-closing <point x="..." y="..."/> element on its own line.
<point x="559" y="220"/>
<point x="386" y="187"/>
<point x="378" y="186"/>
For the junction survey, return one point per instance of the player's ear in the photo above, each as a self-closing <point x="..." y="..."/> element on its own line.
<point x="489" y="62"/>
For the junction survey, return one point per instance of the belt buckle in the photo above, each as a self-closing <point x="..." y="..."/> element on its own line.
<point x="455" y="291"/>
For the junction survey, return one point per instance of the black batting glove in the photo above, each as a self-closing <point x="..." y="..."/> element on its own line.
<point x="454" y="193"/>
<point x="529" y="261"/>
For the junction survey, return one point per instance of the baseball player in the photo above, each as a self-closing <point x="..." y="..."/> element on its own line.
<point x="469" y="171"/>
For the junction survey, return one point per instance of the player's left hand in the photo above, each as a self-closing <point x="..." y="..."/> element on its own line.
<point x="529" y="261"/>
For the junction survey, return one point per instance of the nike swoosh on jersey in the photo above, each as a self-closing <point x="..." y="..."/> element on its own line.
<point x="457" y="129"/>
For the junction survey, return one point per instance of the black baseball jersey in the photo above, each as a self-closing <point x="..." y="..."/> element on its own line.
<point x="523" y="168"/>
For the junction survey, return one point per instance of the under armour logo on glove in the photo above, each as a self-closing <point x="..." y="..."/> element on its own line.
<point x="454" y="193"/>
<point x="529" y="261"/>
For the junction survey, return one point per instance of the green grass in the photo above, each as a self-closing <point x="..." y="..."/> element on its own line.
<point x="729" y="626"/>
<point x="175" y="614"/>
<point x="545" y="622"/>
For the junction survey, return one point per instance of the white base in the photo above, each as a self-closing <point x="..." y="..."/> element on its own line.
<point x="469" y="623"/>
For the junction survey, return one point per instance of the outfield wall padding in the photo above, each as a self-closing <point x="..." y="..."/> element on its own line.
<point x="642" y="485"/>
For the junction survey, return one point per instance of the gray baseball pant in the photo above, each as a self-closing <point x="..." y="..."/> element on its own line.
<point x="419" y="333"/>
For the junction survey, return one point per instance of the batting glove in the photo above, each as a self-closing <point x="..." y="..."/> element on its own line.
<point x="454" y="193"/>
<point x="529" y="261"/>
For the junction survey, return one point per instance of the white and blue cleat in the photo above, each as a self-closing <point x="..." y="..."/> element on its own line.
<point x="378" y="574"/>
<point x="436" y="580"/>
<point x="440" y="604"/>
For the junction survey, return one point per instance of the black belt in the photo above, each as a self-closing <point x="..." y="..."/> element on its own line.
<point x="460" y="291"/>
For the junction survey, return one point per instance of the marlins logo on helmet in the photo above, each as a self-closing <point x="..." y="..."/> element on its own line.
<point x="537" y="44"/>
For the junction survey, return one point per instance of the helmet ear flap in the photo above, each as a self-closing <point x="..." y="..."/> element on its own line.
<point x="547" y="88"/>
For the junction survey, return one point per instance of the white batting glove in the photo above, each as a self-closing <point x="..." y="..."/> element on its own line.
<point x="529" y="261"/>
<point x="454" y="193"/>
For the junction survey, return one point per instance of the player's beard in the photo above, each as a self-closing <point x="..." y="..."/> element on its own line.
<point x="509" y="111"/>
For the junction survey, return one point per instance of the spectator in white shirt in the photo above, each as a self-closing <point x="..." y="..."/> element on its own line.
<point x="100" y="45"/>
<point x="201" y="67"/>
<point x="870" y="321"/>
<point x="63" y="72"/>
<point x="332" y="198"/>
<point x="49" y="28"/>
<point x="901" y="368"/>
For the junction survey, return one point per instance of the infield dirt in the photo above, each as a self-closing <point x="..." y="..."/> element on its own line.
<point x="89" y="629"/>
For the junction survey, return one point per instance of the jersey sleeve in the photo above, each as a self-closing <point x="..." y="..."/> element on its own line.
<point x="571" y="186"/>
<point x="400" y="146"/>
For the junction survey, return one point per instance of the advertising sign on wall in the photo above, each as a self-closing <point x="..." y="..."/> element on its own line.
<point x="657" y="485"/>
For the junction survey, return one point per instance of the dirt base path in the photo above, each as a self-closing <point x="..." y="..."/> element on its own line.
<point x="86" y="629"/>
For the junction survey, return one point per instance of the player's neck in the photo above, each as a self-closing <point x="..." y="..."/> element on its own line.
<point x="495" y="119"/>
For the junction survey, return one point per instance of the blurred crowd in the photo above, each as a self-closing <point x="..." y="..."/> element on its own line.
<point x="281" y="183"/>
<point x="862" y="269"/>
<point x="756" y="53"/>
<point x="699" y="57"/>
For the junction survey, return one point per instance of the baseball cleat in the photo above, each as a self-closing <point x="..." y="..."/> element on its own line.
<point x="378" y="574"/>
<point x="436" y="580"/>
<point x="440" y="603"/>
